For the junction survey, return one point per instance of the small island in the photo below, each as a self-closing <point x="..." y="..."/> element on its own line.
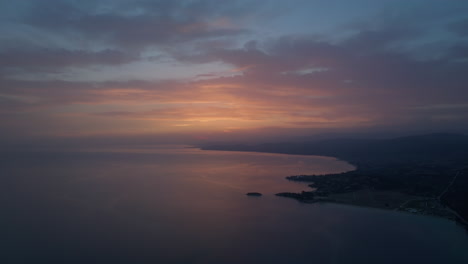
<point x="255" y="194"/>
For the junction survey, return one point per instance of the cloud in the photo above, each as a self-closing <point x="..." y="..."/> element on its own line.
<point x="70" y="37"/>
<point x="373" y="77"/>
<point x="57" y="58"/>
<point x="460" y="27"/>
<point x="137" y="24"/>
<point x="361" y="87"/>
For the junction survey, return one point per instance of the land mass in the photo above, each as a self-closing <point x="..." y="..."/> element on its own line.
<point x="257" y="194"/>
<point x="426" y="174"/>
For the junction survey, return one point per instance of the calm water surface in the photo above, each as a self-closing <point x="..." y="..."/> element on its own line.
<point x="184" y="205"/>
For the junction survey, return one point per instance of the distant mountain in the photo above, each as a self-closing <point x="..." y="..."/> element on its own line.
<point x="411" y="148"/>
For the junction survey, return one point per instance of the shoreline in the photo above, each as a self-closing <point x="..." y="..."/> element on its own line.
<point x="389" y="200"/>
<point x="418" y="186"/>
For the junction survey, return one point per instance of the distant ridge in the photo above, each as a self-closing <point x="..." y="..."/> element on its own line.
<point x="419" y="147"/>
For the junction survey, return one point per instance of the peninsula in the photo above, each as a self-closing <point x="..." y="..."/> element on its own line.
<point x="426" y="174"/>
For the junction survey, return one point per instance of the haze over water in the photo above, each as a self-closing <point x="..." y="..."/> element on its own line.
<point x="184" y="205"/>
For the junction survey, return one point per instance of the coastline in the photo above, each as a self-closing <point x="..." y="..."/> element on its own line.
<point x="361" y="191"/>
<point x="380" y="185"/>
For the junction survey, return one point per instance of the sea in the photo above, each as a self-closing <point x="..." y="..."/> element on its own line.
<point x="179" y="204"/>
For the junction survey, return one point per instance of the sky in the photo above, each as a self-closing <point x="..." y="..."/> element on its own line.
<point x="141" y="71"/>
